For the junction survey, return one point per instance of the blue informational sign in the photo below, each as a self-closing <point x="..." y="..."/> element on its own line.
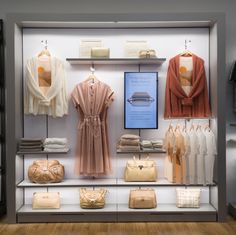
<point x="141" y="94"/>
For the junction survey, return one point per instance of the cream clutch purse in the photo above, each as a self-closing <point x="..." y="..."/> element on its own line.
<point x="140" y="170"/>
<point x="100" y="52"/>
<point x="46" y="200"/>
<point x="92" y="199"/>
<point x="142" y="199"/>
<point x="189" y="198"/>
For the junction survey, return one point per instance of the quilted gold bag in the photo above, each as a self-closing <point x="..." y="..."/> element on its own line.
<point x="142" y="199"/>
<point x="92" y="199"/>
<point x="46" y="171"/>
<point x="140" y="170"/>
<point x="46" y="200"/>
<point x="188" y="198"/>
<point x="100" y="52"/>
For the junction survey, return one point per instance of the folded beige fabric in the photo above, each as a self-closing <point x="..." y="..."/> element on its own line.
<point x="129" y="142"/>
<point x="130" y="136"/>
<point x="129" y="148"/>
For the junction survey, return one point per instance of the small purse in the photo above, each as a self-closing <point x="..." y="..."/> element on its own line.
<point x="142" y="199"/>
<point x="100" y="52"/>
<point x="140" y="170"/>
<point x="46" y="171"/>
<point x="188" y="198"/>
<point x="147" y="54"/>
<point x="92" y="199"/>
<point x="46" y="200"/>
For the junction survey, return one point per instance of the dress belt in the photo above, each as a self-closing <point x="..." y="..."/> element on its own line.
<point x="92" y="121"/>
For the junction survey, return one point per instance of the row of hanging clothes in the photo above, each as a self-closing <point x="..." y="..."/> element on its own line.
<point x="191" y="153"/>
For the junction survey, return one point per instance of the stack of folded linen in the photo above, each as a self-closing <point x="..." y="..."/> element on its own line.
<point x="30" y="145"/>
<point x="55" y="145"/>
<point x="157" y="143"/>
<point x="129" y="142"/>
<point x="146" y="145"/>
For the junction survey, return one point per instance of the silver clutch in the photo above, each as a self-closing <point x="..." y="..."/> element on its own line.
<point x="140" y="99"/>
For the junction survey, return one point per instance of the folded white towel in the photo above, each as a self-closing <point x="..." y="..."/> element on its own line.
<point x="56" y="150"/>
<point x="55" y="146"/>
<point x="62" y="141"/>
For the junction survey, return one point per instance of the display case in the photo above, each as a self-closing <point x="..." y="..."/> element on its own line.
<point x="166" y="33"/>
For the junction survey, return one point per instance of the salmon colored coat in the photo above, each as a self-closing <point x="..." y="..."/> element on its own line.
<point x="92" y="101"/>
<point x="177" y="102"/>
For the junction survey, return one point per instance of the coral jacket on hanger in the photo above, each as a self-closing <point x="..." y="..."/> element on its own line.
<point x="55" y="101"/>
<point x="178" y="103"/>
<point x="92" y="100"/>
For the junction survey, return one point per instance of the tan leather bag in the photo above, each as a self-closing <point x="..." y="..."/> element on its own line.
<point x="46" y="171"/>
<point x="188" y="198"/>
<point x="46" y="200"/>
<point x="140" y="170"/>
<point x="92" y="199"/>
<point x="142" y="199"/>
<point x="147" y="54"/>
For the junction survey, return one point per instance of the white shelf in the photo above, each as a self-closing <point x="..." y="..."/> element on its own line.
<point x="40" y="152"/>
<point x="116" y="61"/>
<point x="165" y="208"/>
<point x="70" y="208"/>
<point x="75" y="208"/>
<point x="71" y="183"/>
<point x="102" y="182"/>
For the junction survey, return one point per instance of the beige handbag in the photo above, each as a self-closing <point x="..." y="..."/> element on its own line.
<point x="46" y="200"/>
<point x="100" y="52"/>
<point x="46" y="171"/>
<point x="92" y="199"/>
<point x="142" y="199"/>
<point x="140" y="170"/>
<point x="147" y="54"/>
<point x="188" y="198"/>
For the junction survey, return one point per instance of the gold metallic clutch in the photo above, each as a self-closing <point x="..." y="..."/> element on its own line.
<point x="45" y="200"/>
<point x="146" y="54"/>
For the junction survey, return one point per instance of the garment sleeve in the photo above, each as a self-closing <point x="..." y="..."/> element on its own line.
<point x="110" y="97"/>
<point x="75" y="96"/>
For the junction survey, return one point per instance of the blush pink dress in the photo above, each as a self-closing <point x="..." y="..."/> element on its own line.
<point x="92" y="101"/>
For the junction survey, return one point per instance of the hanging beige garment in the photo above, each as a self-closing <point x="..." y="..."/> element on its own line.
<point x="55" y="101"/>
<point x="92" y="101"/>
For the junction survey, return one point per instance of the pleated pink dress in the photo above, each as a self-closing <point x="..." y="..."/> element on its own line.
<point x="92" y="154"/>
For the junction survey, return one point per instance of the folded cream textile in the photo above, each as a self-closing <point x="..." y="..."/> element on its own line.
<point x="157" y="142"/>
<point x="128" y="142"/>
<point x="55" y="146"/>
<point x="147" y="149"/>
<point x="130" y="136"/>
<point x="56" y="150"/>
<point x="146" y="143"/>
<point x="55" y="141"/>
<point x="129" y="148"/>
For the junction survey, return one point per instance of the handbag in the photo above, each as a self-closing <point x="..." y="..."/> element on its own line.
<point x="147" y="54"/>
<point x="100" y="52"/>
<point x="188" y="198"/>
<point x="46" y="200"/>
<point x="142" y="199"/>
<point x="140" y="170"/>
<point x="46" y="171"/>
<point x="92" y="199"/>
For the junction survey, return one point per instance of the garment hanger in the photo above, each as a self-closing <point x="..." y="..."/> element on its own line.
<point x="45" y="51"/>
<point x="92" y="77"/>
<point x="186" y="52"/>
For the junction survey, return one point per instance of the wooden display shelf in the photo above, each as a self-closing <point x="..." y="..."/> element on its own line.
<point x="116" y="61"/>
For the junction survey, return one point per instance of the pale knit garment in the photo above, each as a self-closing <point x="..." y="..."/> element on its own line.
<point x="185" y="72"/>
<point x="201" y="170"/>
<point x="55" y="101"/>
<point x="61" y="141"/>
<point x="210" y="155"/>
<point x="192" y="156"/>
<point x="92" y="101"/>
